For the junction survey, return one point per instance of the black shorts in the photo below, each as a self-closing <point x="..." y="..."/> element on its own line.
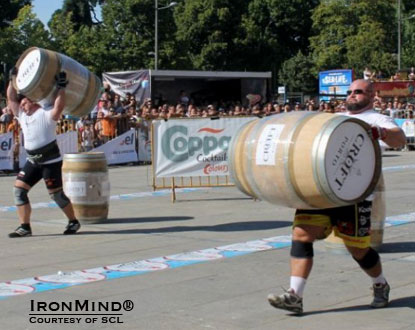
<point x="51" y="173"/>
<point x="351" y="223"/>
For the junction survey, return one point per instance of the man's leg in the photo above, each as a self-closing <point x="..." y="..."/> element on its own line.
<point x="24" y="210"/>
<point x="301" y="265"/>
<point x="369" y="260"/>
<point x="66" y="206"/>
<point x="25" y="180"/>
<point x="52" y="174"/>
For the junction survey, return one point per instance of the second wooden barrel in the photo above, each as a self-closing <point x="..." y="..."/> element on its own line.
<point x="37" y="68"/>
<point x="305" y="160"/>
<point x="85" y="182"/>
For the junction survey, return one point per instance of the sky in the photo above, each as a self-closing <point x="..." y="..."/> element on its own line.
<point x="45" y="8"/>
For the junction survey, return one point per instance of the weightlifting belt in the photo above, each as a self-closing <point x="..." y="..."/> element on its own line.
<point x="44" y="154"/>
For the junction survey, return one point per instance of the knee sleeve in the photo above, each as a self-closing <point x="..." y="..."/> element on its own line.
<point x="303" y="250"/>
<point x="60" y="198"/>
<point x="20" y="196"/>
<point x="370" y="259"/>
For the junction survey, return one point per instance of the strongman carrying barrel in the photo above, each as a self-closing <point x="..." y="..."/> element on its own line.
<point x="37" y="68"/>
<point x="305" y="160"/>
<point x="85" y="182"/>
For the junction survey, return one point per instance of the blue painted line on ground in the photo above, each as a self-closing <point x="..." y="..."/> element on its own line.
<point x="62" y="280"/>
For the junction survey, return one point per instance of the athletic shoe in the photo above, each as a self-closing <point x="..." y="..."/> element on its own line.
<point x="72" y="227"/>
<point x="21" y="232"/>
<point x="288" y="301"/>
<point x="380" y="295"/>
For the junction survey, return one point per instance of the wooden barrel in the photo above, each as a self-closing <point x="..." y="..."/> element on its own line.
<point x="37" y="68"/>
<point x="85" y="182"/>
<point x="305" y="160"/>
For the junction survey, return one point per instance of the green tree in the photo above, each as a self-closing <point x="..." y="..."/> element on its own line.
<point x="275" y="31"/>
<point x="209" y="34"/>
<point x="9" y="10"/>
<point x="297" y="75"/>
<point x="353" y="34"/>
<point x="82" y="12"/>
<point x="25" y="31"/>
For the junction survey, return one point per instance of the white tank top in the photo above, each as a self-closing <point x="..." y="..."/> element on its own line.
<point x="39" y="129"/>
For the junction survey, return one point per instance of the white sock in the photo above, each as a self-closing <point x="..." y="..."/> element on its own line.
<point x="297" y="284"/>
<point x="379" y="280"/>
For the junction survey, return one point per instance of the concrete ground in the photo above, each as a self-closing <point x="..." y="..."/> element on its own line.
<point x="227" y="293"/>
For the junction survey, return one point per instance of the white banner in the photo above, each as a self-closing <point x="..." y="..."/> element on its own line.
<point x="144" y="142"/>
<point x="120" y="150"/>
<point x="67" y="142"/>
<point x="193" y="147"/>
<point x="408" y="127"/>
<point x="6" y="151"/>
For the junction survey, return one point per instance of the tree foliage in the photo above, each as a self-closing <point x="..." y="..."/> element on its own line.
<point x="295" y="39"/>
<point x="352" y="34"/>
<point x="9" y="10"/>
<point x="297" y="75"/>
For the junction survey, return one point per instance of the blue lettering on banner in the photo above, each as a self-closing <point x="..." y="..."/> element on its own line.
<point x="6" y="145"/>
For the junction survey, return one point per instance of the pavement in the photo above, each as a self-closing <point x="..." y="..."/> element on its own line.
<point x="207" y="261"/>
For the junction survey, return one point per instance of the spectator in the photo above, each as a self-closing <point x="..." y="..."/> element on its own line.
<point x="211" y="111"/>
<point x="368" y="74"/>
<point x="6" y="116"/>
<point x="277" y="108"/>
<point x="237" y="111"/>
<point x="310" y="107"/>
<point x="87" y="137"/>
<point x="397" y="76"/>
<point x="287" y="107"/>
<point x="297" y="107"/>
<point x="98" y="129"/>
<point x="411" y="74"/>
<point x="118" y="104"/>
<point x="257" y="110"/>
<point x="183" y="98"/>
<point x="268" y="109"/>
<point x="109" y="126"/>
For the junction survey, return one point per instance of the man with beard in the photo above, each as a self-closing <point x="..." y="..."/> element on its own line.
<point x="310" y="225"/>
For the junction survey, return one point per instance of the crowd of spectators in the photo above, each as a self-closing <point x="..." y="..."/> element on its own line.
<point x="115" y="115"/>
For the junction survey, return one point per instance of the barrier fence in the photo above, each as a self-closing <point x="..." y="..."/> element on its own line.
<point x="132" y="145"/>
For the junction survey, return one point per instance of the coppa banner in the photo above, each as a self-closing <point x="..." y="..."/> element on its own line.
<point x="6" y="151"/>
<point x="120" y="150"/>
<point x="193" y="147"/>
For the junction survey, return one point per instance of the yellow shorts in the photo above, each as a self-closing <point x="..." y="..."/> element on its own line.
<point x="350" y="223"/>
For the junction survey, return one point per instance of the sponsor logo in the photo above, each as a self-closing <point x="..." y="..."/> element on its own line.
<point x="128" y="140"/>
<point x="350" y="159"/>
<point x="6" y="145"/>
<point x="178" y="146"/>
<point x="215" y="169"/>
